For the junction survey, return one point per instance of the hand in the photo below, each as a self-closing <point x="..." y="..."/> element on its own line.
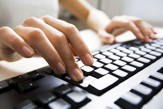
<point x="51" y="38"/>
<point x="141" y="29"/>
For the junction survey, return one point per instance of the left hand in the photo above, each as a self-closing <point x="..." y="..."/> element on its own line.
<point x="141" y="29"/>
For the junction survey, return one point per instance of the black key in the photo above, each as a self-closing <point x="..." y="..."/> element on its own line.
<point x="76" y="99"/>
<point x="27" y="104"/>
<point x="26" y="86"/>
<point x="61" y="90"/>
<point x="44" y="98"/>
<point x="4" y="86"/>
<point x="48" y="70"/>
<point x="14" y="81"/>
<point x="102" y="84"/>
<point x="59" y="104"/>
<point x="34" y="75"/>
<point x="130" y="101"/>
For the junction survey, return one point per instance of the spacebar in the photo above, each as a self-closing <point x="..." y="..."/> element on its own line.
<point x="102" y="84"/>
<point x="155" y="102"/>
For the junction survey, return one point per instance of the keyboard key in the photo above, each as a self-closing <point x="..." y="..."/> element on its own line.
<point x="127" y="51"/>
<point x="144" y="60"/>
<point x="143" y="89"/>
<point x="151" y="82"/>
<point x="137" y="64"/>
<point x="98" y="73"/>
<point x="101" y="85"/>
<point x="119" y="63"/>
<point x="87" y="80"/>
<point x="106" y="61"/>
<point x="130" y="101"/>
<point x="59" y="104"/>
<point x="159" y="50"/>
<point x="158" y="76"/>
<point x="150" y="57"/>
<point x="140" y="52"/>
<point x="44" y="98"/>
<point x="99" y="56"/>
<point x="146" y="50"/>
<point x="120" y="73"/>
<point x="27" y="104"/>
<point x="97" y="64"/>
<point x="134" y="48"/>
<point x="76" y="99"/>
<point x="34" y="75"/>
<point x="135" y="56"/>
<point x="4" y="86"/>
<point x="87" y="70"/>
<point x="48" y="70"/>
<point x="61" y="90"/>
<point x="106" y="53"/>
<point x="127" y="59"/>
<point x="114" y="51"/>
<point x="155" y="53"/>
<point x="114" y="57"/>
<point x="121" y="54"/>
<point x="129" y="68"/>
<point x="26" y="86"/>
<point x="111" y="67"/>
<point x="80" y="63"/>
<point x="13" y="81"/>
<point x="150" y="47"/>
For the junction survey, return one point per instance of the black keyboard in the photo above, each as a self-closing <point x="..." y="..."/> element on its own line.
<point x="124" y="75"/>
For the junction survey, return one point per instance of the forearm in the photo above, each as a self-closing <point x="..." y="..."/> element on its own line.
<point x="97" y="20"/>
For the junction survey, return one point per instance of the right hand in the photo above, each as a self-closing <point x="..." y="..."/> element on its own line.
<point x="51" y="38"/>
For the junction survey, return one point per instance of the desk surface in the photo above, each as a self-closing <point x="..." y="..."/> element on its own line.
<point x="11" y="69"/>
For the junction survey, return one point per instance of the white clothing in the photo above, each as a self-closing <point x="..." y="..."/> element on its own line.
<point x="14" y="12"/>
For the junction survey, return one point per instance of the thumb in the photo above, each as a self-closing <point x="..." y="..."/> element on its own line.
<point x="106" y="37"/>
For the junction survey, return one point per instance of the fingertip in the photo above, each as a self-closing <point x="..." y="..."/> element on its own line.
<point x="88" y="59"/>
<point x="27" y="51"/>
<point x="77" y="75"/>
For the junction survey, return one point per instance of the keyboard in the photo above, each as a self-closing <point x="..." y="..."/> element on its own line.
<point x="124" y="76"/>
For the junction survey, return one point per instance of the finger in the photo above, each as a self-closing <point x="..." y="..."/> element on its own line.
<point x="14" y="43"/>
<point x="73" y="37"/>
<point x="125" y="23"/>
<point x="106" y="37"/>
<point x="38" y="40"/>
<point x="146" y="30"/>
<point x="59" y="41"/>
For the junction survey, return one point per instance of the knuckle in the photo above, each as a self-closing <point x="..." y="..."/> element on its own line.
<point x="127" y="22"/>
<point x="60" y="37"/>
<point x="30" y="20"/>
<point x="4" y="29"/>
<point x="70" y="28"/>
<point x="35" y="34"/>
<point x="45" y="17"/>
<point x="137" y="20"/>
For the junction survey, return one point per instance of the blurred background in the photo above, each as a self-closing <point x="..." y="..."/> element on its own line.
<point x="148" y="10"/>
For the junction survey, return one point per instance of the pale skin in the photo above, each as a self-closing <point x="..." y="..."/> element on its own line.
<point x="52" y="38"/>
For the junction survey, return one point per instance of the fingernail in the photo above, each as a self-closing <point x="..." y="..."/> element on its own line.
<point x="78" y="76"/>
<point x="88" y="59"/>
<point x="111" y="40"/>
<point x="27" y="51"/>
<point x="60" y="68"/>
<point x="146" y="39"/>
<point x="153" y="36"/>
